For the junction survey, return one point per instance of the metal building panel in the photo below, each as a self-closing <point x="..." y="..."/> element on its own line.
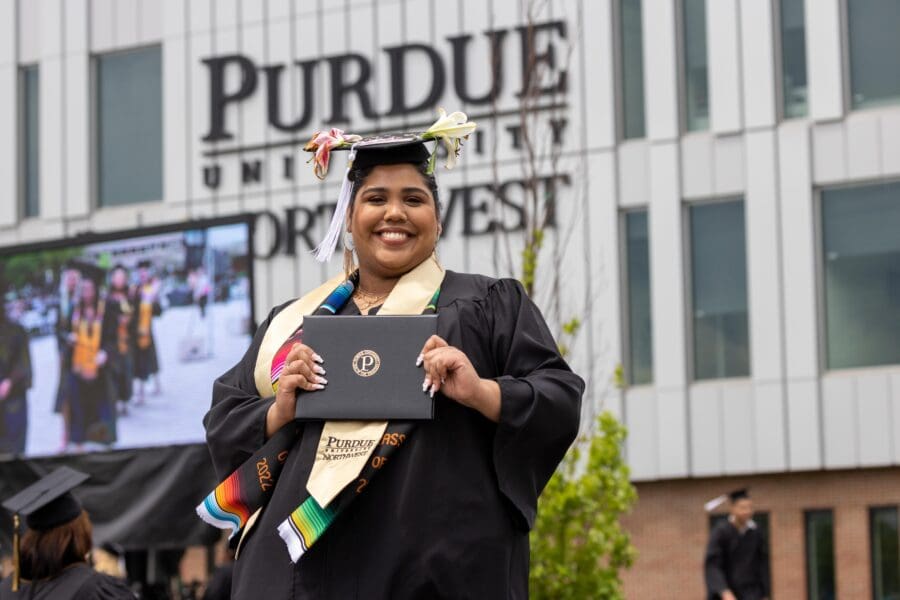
<point x="708" y="435"/>
<point x="697" y="165"/>
<point x="660" y="70"/>
<point x="667" y="272"/>
<point x="77" y="151"/>
<point x="824" y="59"/>
<point x="873" y="405"/>
<point x="671" y="412"/>
<point x="829" y="152"/>
<point x="863" y="145"/>
<point x="757" y="36"/>
<point x="634" y="164"/>
<point x="738" y="426"/>
<point x="9" y="161"/>
<point x="728" y="165"/>
<point x="769" y="426"/>
<point x="799" y="252"/>
<point x="723" y="43"/>
<point x="804" y="425"/>
<point x="764" y="276"/>
<point x="840" y="422"/>
<point x="642" y="443"/>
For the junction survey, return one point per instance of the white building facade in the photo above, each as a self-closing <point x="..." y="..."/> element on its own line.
<point x="725" y="177"/>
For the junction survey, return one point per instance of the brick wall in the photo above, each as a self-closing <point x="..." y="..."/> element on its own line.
<point x="669" y="529"/>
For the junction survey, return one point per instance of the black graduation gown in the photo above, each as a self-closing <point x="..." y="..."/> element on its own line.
<point x="92" y="403"/>
<point x="15" y="365"/>
<point x="738" y="562"/>
<point x="79" y="582"/>
<point x="449" y="516"/>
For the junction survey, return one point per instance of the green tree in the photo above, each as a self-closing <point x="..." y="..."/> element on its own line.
<point x="578" y="546"/>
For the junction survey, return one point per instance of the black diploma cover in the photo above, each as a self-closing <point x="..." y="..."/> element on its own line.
<point x="370" y="364"/>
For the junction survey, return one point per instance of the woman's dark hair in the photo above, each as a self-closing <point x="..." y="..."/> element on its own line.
<point x="358" y="176"/>
<point x="45" y="554"/>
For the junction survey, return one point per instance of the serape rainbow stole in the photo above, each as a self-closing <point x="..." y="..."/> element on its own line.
<point x="249" y="488"/>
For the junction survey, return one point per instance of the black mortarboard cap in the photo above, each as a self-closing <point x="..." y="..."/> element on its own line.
<point x="113" y="548"/>
<point x="738" y="494"/>
<point x="90" y="271"/>
<point x="48" y="503"/>
<point x="390" y="150"/>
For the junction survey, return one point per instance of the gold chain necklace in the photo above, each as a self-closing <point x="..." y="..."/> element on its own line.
<point x="366" y="300"/>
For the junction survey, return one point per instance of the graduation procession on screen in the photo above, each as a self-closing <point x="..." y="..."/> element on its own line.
<point x="396" y="299"/>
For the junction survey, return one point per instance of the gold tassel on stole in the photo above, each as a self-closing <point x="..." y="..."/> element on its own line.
<point x="15" y="581"/>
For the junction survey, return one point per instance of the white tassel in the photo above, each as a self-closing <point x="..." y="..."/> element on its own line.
<point x="715" y="503"/>
<point x="326" y="247"/>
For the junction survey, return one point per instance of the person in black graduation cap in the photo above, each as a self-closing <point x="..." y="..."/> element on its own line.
<point x="51" y="561"/>
<point x="736" y="566"/>
<point x="444" y="506"/>
<point x="15" y="379"/>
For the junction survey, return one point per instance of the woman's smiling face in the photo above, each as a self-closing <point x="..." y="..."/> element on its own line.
<point x="393" y="221"/>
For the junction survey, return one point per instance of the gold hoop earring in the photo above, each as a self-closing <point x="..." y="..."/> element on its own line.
<point x="349" y="264"/>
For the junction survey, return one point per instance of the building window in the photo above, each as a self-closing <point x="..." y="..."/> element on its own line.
<point x="719" y="290"/>
<point x="820" y="555"/>
<point x="632" y="66"/>
<point x="696" y="86"/>
<point x="874" y="47"/>
<point x="640" y="334"/>
<point x="129" y="126"/>
<point x="793" y="58"/>
<point x="30" y="167"/>
<point x="885" y="553"/>
<point x="861" y="257"/>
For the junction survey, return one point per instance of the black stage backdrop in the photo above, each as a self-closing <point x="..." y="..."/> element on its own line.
<point x="138" y="498"/>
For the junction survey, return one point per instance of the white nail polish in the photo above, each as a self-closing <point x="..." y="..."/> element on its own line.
<point x="321" y="380"/>
<point x="319" y="386"/>
<point x="319" y="370"/>
<point x="317" y="358"/>
<point x="420" y="360"/>
<point x="425" y="384"/>
<point x="432" y="392"/>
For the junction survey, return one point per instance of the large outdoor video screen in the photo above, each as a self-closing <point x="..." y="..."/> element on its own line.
<point x="113" y="342"/>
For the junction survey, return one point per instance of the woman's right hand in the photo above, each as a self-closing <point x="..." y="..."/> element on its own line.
<point x="302" y="371"/>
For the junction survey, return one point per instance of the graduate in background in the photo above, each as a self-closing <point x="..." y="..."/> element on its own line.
<point x="51" y="560"/>
<point x="90" y="395"/>
<point x="146" y="298"/>
<point x="121" y="361"/>
<point x="15" y="379"/>
<point x="736" y="565"/>
<point x="68" y="295"/>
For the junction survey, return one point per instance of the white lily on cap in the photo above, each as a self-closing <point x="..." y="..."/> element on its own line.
<point x="451" y="130"/>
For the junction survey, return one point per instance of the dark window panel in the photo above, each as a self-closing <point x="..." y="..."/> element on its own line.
<point x="861" y="257"/>
<point x="640" y="334"/>
<point x="719" y="290"/>
<point x="129" y="127"/>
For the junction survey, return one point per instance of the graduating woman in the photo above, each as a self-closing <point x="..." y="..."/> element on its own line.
<point x="437" y="508"/>
<point x="92" y="409"/>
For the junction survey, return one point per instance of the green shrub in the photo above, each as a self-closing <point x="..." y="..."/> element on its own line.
<point x="578" y="547"/>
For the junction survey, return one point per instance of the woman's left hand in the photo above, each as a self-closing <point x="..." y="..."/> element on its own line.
<point x="448" y="370"/>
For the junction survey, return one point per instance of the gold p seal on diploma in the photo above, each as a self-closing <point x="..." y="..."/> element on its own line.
<point x="366" y="363"/>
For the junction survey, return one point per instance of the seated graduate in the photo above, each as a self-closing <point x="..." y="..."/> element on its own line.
<point x="51" y="562"/>
<point x="435" y="508"/>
